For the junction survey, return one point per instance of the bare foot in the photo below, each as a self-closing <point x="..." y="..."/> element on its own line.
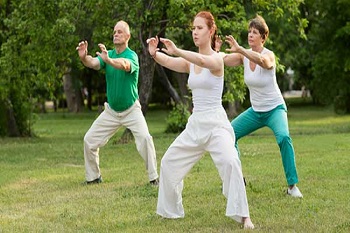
<point x="247" y="223"/>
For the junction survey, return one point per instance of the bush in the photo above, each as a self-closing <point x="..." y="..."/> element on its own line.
<point x="177" y="118"/>
<point x="341" y="104"/>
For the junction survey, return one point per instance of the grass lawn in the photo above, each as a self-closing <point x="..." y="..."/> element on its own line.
<point x="41" y="191"/>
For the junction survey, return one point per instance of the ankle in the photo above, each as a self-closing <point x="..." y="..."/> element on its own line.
<point x="247" y="223"/>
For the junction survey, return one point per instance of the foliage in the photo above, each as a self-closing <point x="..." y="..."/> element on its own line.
<point x="234" y="85"/>
<point x="232" y="18"/>
<point x="324" y="59"/>
<point x="177" y="118"/>
<point x="3" y="119"/>
<point x="38" y="41"/>
<point x="32" y="59"/>
<point x="331" y="58"/>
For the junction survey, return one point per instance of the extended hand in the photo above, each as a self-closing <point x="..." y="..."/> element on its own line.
<point x="152" y="45"/>
<point x="82" y="49"/>
<point x="103" y="54"/>
<point x="218" y="43"/>
<point x="233" y="44"/>
<point x="170" y="47"/>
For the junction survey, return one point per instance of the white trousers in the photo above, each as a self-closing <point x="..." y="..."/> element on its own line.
<point x="210" y="132"/>
<point x="106" y="125"/>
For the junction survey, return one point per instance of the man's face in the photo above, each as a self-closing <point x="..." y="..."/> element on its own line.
<point x="120" y="34"/>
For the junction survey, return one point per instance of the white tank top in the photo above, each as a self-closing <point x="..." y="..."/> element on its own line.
<point x="206" y="89"/>
<point x="265" y="94"/>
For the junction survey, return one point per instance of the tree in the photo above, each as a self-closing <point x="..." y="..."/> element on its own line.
<point x="38" y="41"/>
<point x="329" y="42"/>
<point x="23" y="74"/>
<point x="232" y="18"/>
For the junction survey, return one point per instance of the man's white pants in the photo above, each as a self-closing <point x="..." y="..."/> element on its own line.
<point x="106" y="125"/>
<point x="210" y="132"/>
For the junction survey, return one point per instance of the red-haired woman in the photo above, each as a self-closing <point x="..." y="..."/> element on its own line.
<point x="208" y="128"/>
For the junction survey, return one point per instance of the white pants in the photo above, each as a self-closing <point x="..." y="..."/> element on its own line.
<point x="210" y="132"/>
<point x="106" y="125"/>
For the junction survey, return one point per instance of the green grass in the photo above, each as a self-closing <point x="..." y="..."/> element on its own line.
<point x="41" y="191"/>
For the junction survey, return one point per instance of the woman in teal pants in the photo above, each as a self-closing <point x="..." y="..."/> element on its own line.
<point x="268" y="106"/>
<point x="276" y="119"/>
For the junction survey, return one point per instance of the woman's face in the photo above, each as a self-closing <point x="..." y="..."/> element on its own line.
<point x="200" y="32"/>
<point x="254" y="38"/>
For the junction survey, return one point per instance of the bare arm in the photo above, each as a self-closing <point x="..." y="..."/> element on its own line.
<point x="230" y="59"/>
<point x="174" y="63"/>
<point x="266" y="60"/>
<point x="87" y="60"/>
<point x="213" y="62"/>
<point x="118" y="63"/>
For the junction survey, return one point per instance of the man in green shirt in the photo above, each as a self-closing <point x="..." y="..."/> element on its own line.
<point x="122" y="108"/>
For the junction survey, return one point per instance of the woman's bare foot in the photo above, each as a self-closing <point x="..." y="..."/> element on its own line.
<point x="247" y="223"/>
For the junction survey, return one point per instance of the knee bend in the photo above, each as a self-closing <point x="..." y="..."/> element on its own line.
<point x="232" y="161"/>
<point x="236" y="162"/>
<point x="144" y="139"/>
<point x="284" y="138"/>
<point x="88" y="140"/>
<point x="166" y="160"/>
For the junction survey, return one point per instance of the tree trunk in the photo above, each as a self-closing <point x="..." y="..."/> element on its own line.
<point x="88" y="95"/>
<point x="166" y="83"/>
<point x="73" y="94"/>
<point x="145" y="79"/>
<point x="181" y="79"/>
<point x="125" y="138"/>
<point x="12" y="128"/>
<point x="232" y="109"/>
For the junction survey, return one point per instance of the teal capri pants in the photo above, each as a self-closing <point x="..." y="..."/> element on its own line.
<point x="276" y="119"/>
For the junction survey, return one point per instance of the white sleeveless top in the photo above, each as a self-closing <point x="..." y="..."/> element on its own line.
<point x="206" y="89"/>
<point x="208" y="113"/>
<point x="265" y="94"/>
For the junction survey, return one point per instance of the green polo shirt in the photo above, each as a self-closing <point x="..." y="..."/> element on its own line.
<point x="121" y="85"/>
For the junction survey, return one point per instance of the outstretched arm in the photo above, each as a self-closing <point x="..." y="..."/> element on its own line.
<point x="118" y="63"/>
<point x="266" y="61"/>
<point x="230" y="59"/>
<point x="177" y="64"/>
<point x="87" y="60"/>
<point x="209" y="61"/>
